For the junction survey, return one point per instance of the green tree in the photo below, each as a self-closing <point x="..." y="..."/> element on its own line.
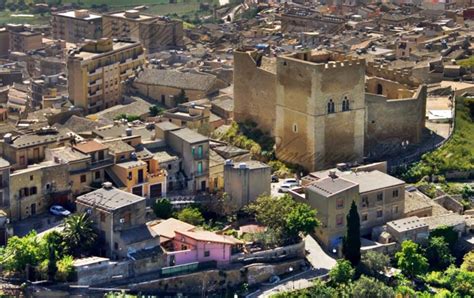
<point x="55" y="239"/>
<point x="181" y="97"/>
<point x="468" y="262"/>
<point x="163" y="208"/>
<point x="65" y="269"/>
<point x="438" y="254"/>
<point x="284" y="216"/>
<point x="351" y="242"/>
<point x="342" y="273"/>
<point x="21" y="252"/>
<point x="301" y="219"/>
<point x="410" y="260"/>
<point x="448" y="233"/>
<point x="52" y="267"/>
<point x="370" y="287"/>
<point x="191" y="215"/>
<point x="156" y="110"/>
<point x="79" y="234"/>
<point x="373" y="263"/>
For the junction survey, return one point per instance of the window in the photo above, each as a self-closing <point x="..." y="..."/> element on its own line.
<point x="345" y="104"/>
<point x="339" y="220"/>
<point x="193" y="151"/>
<point x="395" y="193"/>
<point x="199" y="167"/>
<point x="365" y="217"/>
<point x="295" y="128"/>
<point x="200" y="151"/>
<point x="340" y="203"/>
<point x="380" y="196"/>
<point x="365" y="201"/>
<point x="101" y="155"/>
<point x="97" y="175"/>
<point x="116" y="247"/>
<point x="183" y="247"/>
<point x="330" y="106"/>
<point x="31" y="178"/>
<point x="395" y="209"/>
<point x="379" y="213"/>
<point x="207" y="253"/>
<point x="169" y="167"/>
<point x="102" y="217"/>
<point x="33" y="190"/>
<point x="83" y="178"/>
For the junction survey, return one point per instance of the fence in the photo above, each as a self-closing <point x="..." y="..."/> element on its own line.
<point x="187" y="268"/>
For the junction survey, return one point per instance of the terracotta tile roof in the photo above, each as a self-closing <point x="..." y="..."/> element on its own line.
<point x="167" y="228"/>
<point x="210" y="237"/>
<point x="90" y="146"/>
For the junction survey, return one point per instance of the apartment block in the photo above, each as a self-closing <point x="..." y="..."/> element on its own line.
<point x="100" y="70"/>
<point x="76" y="25"/>
<point x="379" y="198"/>
<point x="154" y="32"/>
<point x="22" y="39"/>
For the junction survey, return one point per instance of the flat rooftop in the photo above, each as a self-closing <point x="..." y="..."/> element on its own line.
<point x="407" y="224"/>
<point x="133" y="15"/>
<point x="82" y="16"/>
<point x="117" y="46"/>
<point x="109" y="198"/>
<point x="189" y="135"/>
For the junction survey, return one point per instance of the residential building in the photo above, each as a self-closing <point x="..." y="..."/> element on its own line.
<point x="155" y="33"/>
<point x="99" y="70"/>
<point x="245" y="181"/>
<point x="120" y="218"/>
<point x="35" y="188"/>
<point x="79" y="166"/>
<point x="28" y="149"/>
<point x="192" y="115"/>
<point x="184" y="243"/>
<point x="408" y="228"/>
<point x="23" y="39"/>
<point x="164" y="85"/>
<point x="4" y="42"/>
<point x="76" y="25"/>
<point x="100" y="159"/>
<point x="379" y="198"/>
<point x="4" y="184"/>
<point x="193" y="149"/>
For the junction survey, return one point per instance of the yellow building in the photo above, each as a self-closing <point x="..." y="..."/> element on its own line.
<point x="142" y="178"/>
<point x="99" y="70"/>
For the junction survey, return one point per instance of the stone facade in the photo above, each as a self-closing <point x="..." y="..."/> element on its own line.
<point x="317" y="107"/>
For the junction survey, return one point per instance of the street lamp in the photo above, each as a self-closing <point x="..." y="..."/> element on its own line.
<point x="292" y="281"/>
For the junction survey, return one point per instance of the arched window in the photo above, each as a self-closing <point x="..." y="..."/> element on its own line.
<point x="330" y="106"/>
<point x="345" y="104"/>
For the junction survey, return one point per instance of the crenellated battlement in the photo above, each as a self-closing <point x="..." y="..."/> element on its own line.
<point x="403" y="76"/>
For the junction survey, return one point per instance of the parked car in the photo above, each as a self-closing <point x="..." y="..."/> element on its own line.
<point x="285" y="187"/>
<point x="290" y="180"/>
<point x="59" y="210"/>
<point x="275" y="179"/>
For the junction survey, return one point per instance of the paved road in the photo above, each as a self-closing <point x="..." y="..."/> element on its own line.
<point x="321" y="263"/>
<point x="39" y="223"/>
<point x="318" y="258"/>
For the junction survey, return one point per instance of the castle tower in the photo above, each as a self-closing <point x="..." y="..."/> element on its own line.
<point x="320" y="109"/>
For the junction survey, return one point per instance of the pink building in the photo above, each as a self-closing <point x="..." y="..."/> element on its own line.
<point x="184" y="244"/>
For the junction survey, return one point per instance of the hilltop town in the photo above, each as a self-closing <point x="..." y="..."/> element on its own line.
<point x="237" y="148"/>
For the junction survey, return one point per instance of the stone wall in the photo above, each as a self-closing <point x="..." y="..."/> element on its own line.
<point x="392" y="121"/>
<point x="296" y="251"/>
<point x="254" y="91"/>
<point x="215" y="280"/>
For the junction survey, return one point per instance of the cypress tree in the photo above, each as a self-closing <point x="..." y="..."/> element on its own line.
<point x="351" y="242"/>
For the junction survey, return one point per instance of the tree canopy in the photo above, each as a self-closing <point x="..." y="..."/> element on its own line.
<point x="410" y="260"/>
<point x="351" y="243"/>
<point x="191" y="215"/>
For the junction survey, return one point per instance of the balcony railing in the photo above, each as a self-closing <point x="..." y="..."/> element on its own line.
<point x="102" y="163"/>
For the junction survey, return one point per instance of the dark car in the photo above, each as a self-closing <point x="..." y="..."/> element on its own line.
<point x="275" y="179"/>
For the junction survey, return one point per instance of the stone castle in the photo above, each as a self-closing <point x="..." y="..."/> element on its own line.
<point x="320" y="107"/>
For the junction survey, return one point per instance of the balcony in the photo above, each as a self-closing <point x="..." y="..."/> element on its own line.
<point x="201" y="173"/>
<point x="98" y="164"/>
<point x="204" y="155"/>
<point x="158" y="176"/>
<point x="95" y="82"/>
<point x="95" y="93"/>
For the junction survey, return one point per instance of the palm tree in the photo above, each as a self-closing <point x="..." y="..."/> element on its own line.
<point x="79" y="234"/>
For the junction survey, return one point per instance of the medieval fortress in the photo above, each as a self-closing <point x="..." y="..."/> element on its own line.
<point x="322" y="108"/>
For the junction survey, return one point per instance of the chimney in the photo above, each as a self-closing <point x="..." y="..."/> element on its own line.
<point x="7" y="138"/>
<point x="128" y="132"/>
<point x="107" y="185"/>
<point x="332" y="174"/>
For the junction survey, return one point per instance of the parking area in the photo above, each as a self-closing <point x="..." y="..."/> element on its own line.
<point x="39" y="223"/>
<point x="275" y="187"/>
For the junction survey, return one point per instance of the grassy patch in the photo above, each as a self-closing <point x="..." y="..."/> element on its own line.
<point x="455" y="155"/>
<point x="469" y="62"/>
